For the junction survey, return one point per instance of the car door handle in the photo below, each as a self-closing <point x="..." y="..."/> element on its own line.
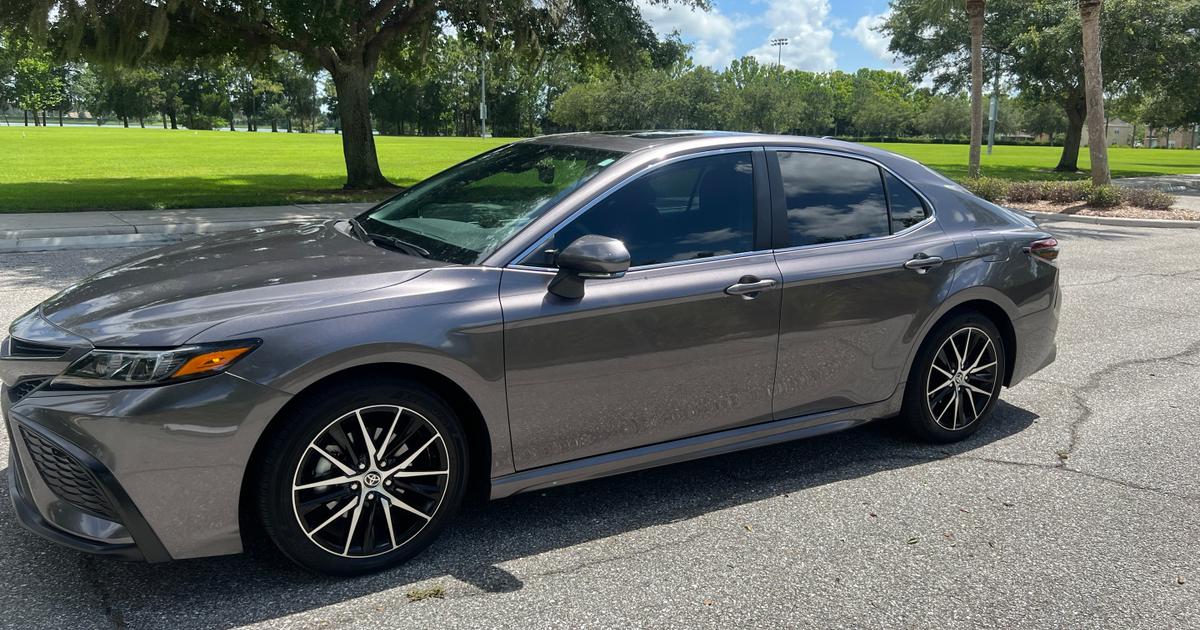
<point x="922" y="263"/>
<point x="749" y="286"/>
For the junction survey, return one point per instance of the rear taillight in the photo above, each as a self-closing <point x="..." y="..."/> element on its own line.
<point x="1046" y="249"/>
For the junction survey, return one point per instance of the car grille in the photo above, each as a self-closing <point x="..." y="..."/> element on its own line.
<point x="33" y="350"/>
<point x="66" y="477"/>
<point x="24" y="388"/>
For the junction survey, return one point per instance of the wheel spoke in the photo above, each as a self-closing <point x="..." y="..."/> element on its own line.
<point x="948" y="374"/>
<point x="987" y="344"/>
<point x="336" y="481"/>
<point x="369" y="528"/>
<point x="391" y="431"/>
<point x="957" y="354"/>
<point x="353" y="526"/>
<point x="337" y="514"/>
<point x="308" y="505"/>
<point x="362" y="426"/>
<point x="426" y="490"/>
<point x="335" y="461"/>
<point x="387" y="516"/>
<point x="976" y="370"/>
<point x="977" y="390"/>
<point x="418" y="473"/>
<point x="343" y="441"/>
<point x="971" y="399"/>
<point x="957" y="395"/>
<point x="404" y="506"/>
<point x="412" y="456"/>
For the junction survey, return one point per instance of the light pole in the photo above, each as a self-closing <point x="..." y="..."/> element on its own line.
<point x="779" y="43"/>
<point x="483" y="94"/>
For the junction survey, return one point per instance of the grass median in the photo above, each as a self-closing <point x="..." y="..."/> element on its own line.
<point x="87" y="168"/>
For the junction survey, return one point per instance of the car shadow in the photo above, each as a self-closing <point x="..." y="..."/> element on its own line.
<point x="235" y="590"/>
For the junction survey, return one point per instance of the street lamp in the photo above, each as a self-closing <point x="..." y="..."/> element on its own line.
<point x="779" y="43"/>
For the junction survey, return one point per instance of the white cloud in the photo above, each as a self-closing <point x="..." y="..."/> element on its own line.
<point x="711" y="32"/>
<point x="866" y="33"/>
<point x="807" y="26"/>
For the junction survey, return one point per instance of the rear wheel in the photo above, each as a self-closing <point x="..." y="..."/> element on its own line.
<point x="956" y="379"/>
<point x="364" y="478"/>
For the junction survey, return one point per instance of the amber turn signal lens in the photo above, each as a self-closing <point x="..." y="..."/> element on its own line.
<point x="210" y="361"/>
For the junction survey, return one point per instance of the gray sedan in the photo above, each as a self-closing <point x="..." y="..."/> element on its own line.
<point x="555" y="310"/>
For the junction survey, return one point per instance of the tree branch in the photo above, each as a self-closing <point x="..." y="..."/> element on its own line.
<point x="398" y="24"/>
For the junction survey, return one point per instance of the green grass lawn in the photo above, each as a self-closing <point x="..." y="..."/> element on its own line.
<point x="1028" y="163"/>
<point x="83" y="168"/>
<point x="86" y="168"/>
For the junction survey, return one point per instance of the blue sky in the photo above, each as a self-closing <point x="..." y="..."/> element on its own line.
<point x="822" y="34"/>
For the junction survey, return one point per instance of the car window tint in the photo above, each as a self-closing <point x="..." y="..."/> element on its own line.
<point x="697" y="208"/>
<point x="906" y="207"/>
<point x="830" y="198"/>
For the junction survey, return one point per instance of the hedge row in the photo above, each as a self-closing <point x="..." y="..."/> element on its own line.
<point x="996" y="190"/>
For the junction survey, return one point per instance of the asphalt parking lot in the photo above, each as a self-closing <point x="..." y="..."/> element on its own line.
<point x="1079" y="506"/>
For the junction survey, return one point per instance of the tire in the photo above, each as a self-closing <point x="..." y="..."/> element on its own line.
<point x="369" y="516"/>
<point x="939" y="376"/>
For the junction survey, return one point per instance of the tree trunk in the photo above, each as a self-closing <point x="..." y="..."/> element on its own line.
<point x="164" y="119"/>
<point x="174" y="122"/>
<point x="975" y="10"/>
<point x="142" y="122"/>
<point x="1076" y="110"/>
<point x="125" y="120"/>
<point x="274" y="126"/>
<point x="1089" y="13"/>
<point x="60" y="118"/>
<point x="358" y="143"/>
<point x="26" y="117"/>
<point x="289" y="124"/>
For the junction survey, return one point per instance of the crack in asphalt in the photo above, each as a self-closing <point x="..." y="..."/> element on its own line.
<point x="1092" y="384"/>
<point x="1135" y="275"/>
<point x="111" y="612"/>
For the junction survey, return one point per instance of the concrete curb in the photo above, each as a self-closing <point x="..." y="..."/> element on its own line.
<point x="1054" y="217"/>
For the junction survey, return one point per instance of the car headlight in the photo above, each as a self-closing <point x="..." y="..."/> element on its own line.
<point x="110" y="367"/>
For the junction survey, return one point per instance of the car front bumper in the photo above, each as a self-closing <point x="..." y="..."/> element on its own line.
<point x="143" y="473"/>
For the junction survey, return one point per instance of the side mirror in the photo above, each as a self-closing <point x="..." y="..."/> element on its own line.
<point x="590" y="257"/>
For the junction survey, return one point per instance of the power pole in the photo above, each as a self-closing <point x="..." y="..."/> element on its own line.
<point x="779" y="43"/>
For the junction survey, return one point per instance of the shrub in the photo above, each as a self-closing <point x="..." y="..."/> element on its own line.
<point x="1148" y="198"/>
<point x="1026" y="192"/>
<point x="989" y="188"/>
<point x="1067" y="192"/>
<point x="1106" y="196"/>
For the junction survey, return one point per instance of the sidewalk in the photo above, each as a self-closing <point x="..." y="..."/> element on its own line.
<point x="42" y="231"/>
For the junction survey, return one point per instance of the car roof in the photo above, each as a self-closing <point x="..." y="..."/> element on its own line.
<point x="683" y="140"/>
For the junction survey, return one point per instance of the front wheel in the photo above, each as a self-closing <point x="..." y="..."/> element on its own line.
<point x="363" y="478"/>
<point x="956" y="378"/>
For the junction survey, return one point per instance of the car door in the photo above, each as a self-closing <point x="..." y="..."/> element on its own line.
<point x="684" y="344"/>
<point x="864" y="265"/>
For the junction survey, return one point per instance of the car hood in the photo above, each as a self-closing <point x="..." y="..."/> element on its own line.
<point x="169" y="295"/>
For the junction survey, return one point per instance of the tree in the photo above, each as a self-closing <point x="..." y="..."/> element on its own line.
<point x="936" y="11"/>
<point x="1035" y="45"/>
<point x="36" y="88"/>
<point x="345" y="38"/>
<point x="1089" y="14"/>
<point x="947" y="117"/>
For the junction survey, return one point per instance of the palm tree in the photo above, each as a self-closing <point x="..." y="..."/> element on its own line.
<point x="936" y="10"/>
<point x="1093" y="80"/>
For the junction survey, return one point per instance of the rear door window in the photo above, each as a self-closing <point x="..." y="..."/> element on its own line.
<point x="830" y="198"/>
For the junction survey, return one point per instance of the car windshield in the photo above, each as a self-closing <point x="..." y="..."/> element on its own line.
<point x="463" y="214"/>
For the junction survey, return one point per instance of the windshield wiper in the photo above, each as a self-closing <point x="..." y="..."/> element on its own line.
<point x="359" y="230"/>
<point x="398" y="244"/>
